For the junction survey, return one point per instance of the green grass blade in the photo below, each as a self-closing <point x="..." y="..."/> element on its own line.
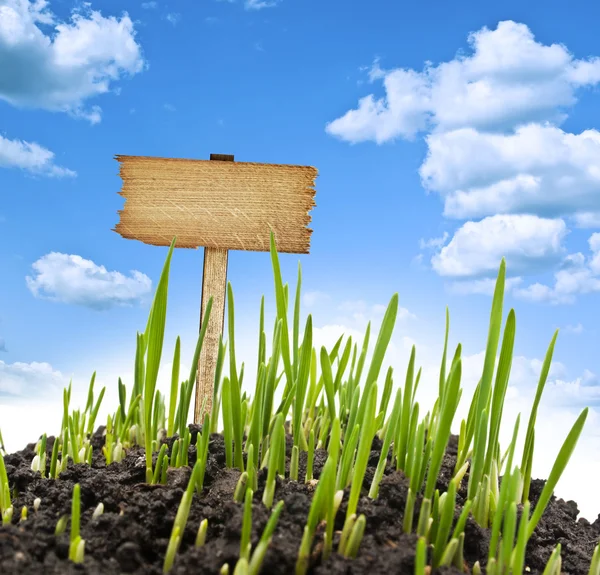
<point x="488" y="369"/>
<point x="155" y="334"/>
<point x="557" y="469"/>
<point x="383" y="340"/>
<point x="281" y="312"/>
<point x="174" y="387"/>
<point x="526" y="462"/>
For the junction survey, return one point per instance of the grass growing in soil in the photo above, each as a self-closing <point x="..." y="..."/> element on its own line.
<point x="319" y="468"/>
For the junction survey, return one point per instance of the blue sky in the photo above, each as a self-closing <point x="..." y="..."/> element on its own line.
<point x="446" y="136"/>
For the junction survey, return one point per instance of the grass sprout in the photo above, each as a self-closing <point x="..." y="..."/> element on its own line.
<point x="201" y="535"/>
<point x="251" y="561"/>
<point x="6" y="508"/>
<point x="181" y="518"/>
<point x="76" y="543"/>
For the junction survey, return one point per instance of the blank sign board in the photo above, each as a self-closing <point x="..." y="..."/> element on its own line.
<point x="216" y="204"/>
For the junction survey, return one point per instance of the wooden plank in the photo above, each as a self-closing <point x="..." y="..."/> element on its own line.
<point x="218" y="204"/>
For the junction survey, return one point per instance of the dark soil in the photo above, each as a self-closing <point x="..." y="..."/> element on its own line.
<point x="132" y="534"/>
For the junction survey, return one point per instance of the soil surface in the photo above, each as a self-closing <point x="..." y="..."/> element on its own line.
<point x="132" y="534"/>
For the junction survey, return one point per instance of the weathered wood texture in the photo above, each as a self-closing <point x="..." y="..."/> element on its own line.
<point x="219" y="204"/>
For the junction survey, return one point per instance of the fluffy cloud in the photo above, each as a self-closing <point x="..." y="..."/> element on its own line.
<point x="260" y="4"/>
<point x="30" y="157"/>
<point x="483" y="286"/>
<point x="477" y="247"/>
<point x="433" y="243"/>
<point x="539" y="169"/>
<point x="74" y="280"/>
<point x="491" y="119"/>
<point x="578" y="275"/>
<point x="359" y="312"/>
<point x="582" y="390"/>
<point x="575" y="329"/>
<point x="588" y="220"/>
<point x="509" y="79"/>
<point x="80" y="60"/>
<point x="173" y="18"/>
<point x="29" y="380"/>
<point x="402" y="113"/>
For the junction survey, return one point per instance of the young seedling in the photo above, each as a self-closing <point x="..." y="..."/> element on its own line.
<point x="202" y="530"/>
<point x="6" y="508"/>
<point x="250" y="562"/>
<point x="181" y="518"/>
<point x="300" y="396"/>
<point x="321" y="502"/>
<point x="76" y="543"/>
<point x="362" y="457"/>
<point x="390" y="433"/>
<point x="276" y="450"/>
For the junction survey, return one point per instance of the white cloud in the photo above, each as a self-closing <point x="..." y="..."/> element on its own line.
<point x="402" y="113"/>
<point x="260" y="4"/>
<point x="433" y="243"/>
<point x="361" y="312"/>
<point x="537" y="169"/>
<point x="74" y="280"/>
<point x="149" y="5"/>
<point x="476" y="249"/>
<point x="59" y="72"/>
<point x="575" y="329"/>
<point x="173" y="18"/>
<point x="587" y="220"/>
<point x="582" y="390"/>
<point x="29" y="380"/>
<point x="578" y="275"/>
<point x="328" y="335"/>
<point x="508" y="79"/>
<point x="31" y="400"/>
<point x="30" y="157"/>
<point x="484" y="286"/>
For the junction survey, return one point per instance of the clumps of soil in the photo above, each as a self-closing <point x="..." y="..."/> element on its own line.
<point x="132" y="534"/>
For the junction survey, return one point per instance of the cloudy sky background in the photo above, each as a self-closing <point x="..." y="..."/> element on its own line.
<point x="442" y="144"/>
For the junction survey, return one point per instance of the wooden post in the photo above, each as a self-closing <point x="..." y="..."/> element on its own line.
<point x="214" y="283"/>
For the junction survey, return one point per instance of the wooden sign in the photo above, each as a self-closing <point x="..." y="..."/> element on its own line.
<point x="220" y="205"/>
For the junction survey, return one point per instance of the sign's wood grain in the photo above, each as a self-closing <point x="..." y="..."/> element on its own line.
<point x="218" y="204"/>
<point x="214" y="283"/>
